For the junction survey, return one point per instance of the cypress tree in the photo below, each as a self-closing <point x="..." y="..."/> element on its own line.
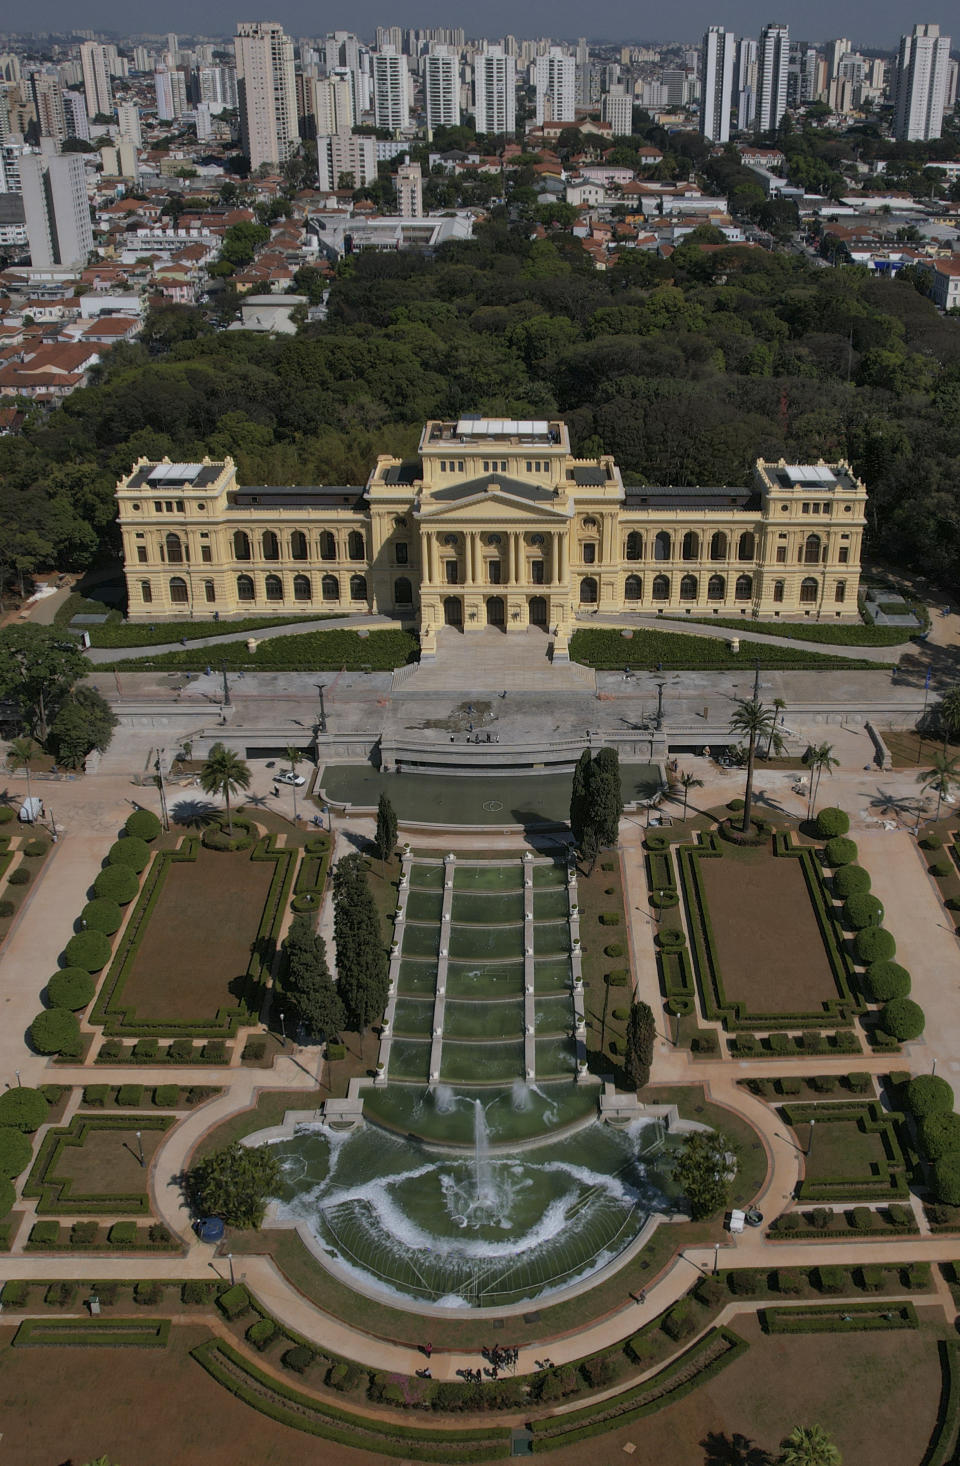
<point x="308" y="988"/>
<point x="640" y="1036"/>
<point x="362" y="979"/>
<point x="385" y="840"/>
<point x="605" y="796"/>
<point x="578" y="797"/>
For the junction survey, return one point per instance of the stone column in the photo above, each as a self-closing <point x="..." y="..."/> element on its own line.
<point x="426" y="551"/>
<point x="555" y="558"/>
<point x="564" y="557"/>
<point x="518" y="557"/>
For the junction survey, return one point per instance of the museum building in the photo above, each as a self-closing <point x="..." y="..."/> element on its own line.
<point x="495" y="523"/>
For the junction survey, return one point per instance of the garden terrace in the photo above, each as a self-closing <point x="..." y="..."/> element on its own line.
<point x="767" y="950"/>
<point x="852" y="1151"/>
<point x="196" y="952"/>
<point x="92" y="1166"/>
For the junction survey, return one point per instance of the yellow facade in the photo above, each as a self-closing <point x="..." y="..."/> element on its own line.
<point x="494" y="523"/>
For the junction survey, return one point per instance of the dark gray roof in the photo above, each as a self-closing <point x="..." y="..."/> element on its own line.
<point x="299" y="496"/>
<point x="533" y="493"/>
<point x="208" y="474"/>
<point x="690" y="496"/>
<point x="407" y="472"/>
<point x="589" y="477"/>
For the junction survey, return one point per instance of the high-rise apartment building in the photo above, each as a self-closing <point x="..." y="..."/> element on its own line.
<point x="75" y="115"/>
<point x="142" y="59"/>
<point x="347" y="159"/>
<point x="56" y="208"/>
<point x="495" y="91"/>
<point x="217" y="86"/>
<point x="266" y="92"/>
<point x="616" y="107"/>
<point x="441" y="87"/>
<point x="716" y="83"/>
<point x="555" y="78"/>
<point x="95" y="61"/>
<point x="171" y="93"/>
<point x="747" y="53"/>
<point x="48" y="100"/>
<point x="773" y="65"/>
<point x="391" y="91"/>
<point x="390" y="38"/>
<point x="128" y="123"/>
<point x="920" y="85"/>
<point x="409" y="191"/>
<point x="333" y="104"/>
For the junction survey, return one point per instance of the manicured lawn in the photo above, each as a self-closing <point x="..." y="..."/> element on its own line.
<point x="909" y="750"/>
<point x="311" y="651"/>
<point x="837" y="1151"/>
<point x="107" y="1163"/>
<point x="604" y="647"/>
<point x="597" y="893"/>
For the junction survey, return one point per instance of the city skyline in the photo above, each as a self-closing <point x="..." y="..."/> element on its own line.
<point x="879" y="27"/>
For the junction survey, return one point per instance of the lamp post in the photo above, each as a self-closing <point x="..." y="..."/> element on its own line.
<point x="323" y="711"/>
<point x="226" y="684"/>
<point x="716" y="1258"/>
<point x="230" y="1261"/>
<point x="158" y="766"/>
<point x="810" y="1141"/>
<point x="140" y="1145"/>
<point x="283" y="1029"/>
<point x="660" y="687"/>
<point x="19" y="1086"/>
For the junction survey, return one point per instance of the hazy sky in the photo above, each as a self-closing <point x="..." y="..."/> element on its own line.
<point x="878" y="24"/>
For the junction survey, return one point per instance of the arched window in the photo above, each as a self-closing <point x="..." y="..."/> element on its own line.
<point x="244" y="588"/>
<point x="301" y="588"/>
<point x="402" y="591"/>
<point x="840" y="594"/>
<point x="493" y="539"/>
<point x="241" y="545"/>
<point x="588" y="591"/>
<point x="633" y="590"/>
<point x="634" y="545"/>
<point x="811" y="550"/>
<point x="209" y="592"/>
<point x="274" y="588"/>
<point x="174" y="549"/>
<point x="662" y="547"/>
<point x="330" y="588"/>
<point x="688" y="588"/>
<point x="718" y="546"/>
<point x="747" y="548"/>
<point x="661" y="588"/>
<point x="716" y="588"/>
<point x="146" y="592"/>
<point x="298" y="545"/>
<point x="355" y="545"/>
<point x="778" y="591"/>
<point x="691" y="546"/>
<point x="178" y="591"/>
<point x="744" y="588"/>
<point x="328" y="546"/>
<point x="808" y="591"/>
<point x="270" y="545"/>
<point x="358" y="587"/>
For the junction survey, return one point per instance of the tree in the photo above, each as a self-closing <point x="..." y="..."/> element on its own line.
<point x="819" y="760"/>
<point x="19" y="754"/>
<point x="385" y="840"/>
<point x="641" y="1031"/>
<point x="705" y="1165"/>
<point x="808" y="1445"/>
<point x="578" y="797"/>
<point x="361" y="958"/>
<point x="235" y="1183"/>
<point x="308" y="988"/>
<point x="947" y="715"/>
<point x="605" y="796"/>
<point x="38" y="667"/>
<point x="754" y="721"/>
<point x="293" y="757"/>
<point x="778" y="707"/>
<point x="689" y="781"/>
<point x="85" y="722"/>
<point x="224" y="773"/>
<point x="941" y="777"/>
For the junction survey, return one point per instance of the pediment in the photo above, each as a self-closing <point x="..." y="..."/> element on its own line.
<point x="493" y="506"/>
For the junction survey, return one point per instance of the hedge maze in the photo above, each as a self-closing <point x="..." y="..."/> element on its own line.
<point x="855" y="1154"/>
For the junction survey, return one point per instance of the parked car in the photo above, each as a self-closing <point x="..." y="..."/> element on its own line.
<point x="289" y="777"/>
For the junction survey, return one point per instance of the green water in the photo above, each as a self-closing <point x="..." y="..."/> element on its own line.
<point x="550" y="904"/>
<point x="495" y="907"/>
<point x="413" y="1016"/>
<point x="486" y="941"/>
<point x="430" y="877"/>
<point x="424" y="905"/>
<point x="555" y="1057"/>
<point x="550" y="937"/>
<point x="496" y="876"/>
<point x="554" y="1015"/>
<point x="410" y="1059"/>
<point x="513" y="1113"/>
<point x="482" y="1020"/>
<point x="551" y="974"/>
<point x="417" y="977"/>
<point x="456" y="800"/>
<point x="484" y="979"/>
<point x="479" y="1063"/>
<point x="421" y="941"/>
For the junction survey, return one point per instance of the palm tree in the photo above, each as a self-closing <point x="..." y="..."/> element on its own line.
<point x="689" y="781"/>
<point x="224" y="773"/>
<point x="293" y="757"/>
<point x="819" y="760"/>
<point x="942" y="777"/>
<point x="808" y="1445"/>
<point x="19" y="754"/>
<point x="948" y="715"/>
<point x="778" y="707"/>
<point x="755" y="722"/>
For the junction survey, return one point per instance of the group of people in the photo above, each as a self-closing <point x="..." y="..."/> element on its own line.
<point x="497" y="1357"/>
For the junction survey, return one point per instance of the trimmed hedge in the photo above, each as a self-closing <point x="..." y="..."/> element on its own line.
<point x="8" y="1195"/>
<point x="862" y="911"/>
<point x="885" y="980"/>
<point x="874" y="944"/>
<point x="117" y="883"/>
<point x="131" y="852"/>
<point x="832" y="822"/>
<point x="143" y="824"/>
<point x="23" y="1108"/>
<point x="102" y="915"/>
<point x="839" y="1318"/>
<point x="840" y="851"/>
<point x="851" y="880"/>
<point x="928" y="1094"/>
<point x="903" y="1018"/>
<point x="89" y="950"/>
<point x="56" y="1031"/>
<point x="940" y="1134"/>
<point x="16" y="1150"/>
<point x="946" y="1179"/>
<point x="71" y="988"/>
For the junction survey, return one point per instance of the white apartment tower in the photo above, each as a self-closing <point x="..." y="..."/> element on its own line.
<point x="171" y="93"/>
<point x="391" y="91"/>
<point x="333" y="104"/>
<point x="56" y="208"/>
<point x="495" y="91"/>
<point x="409" y="191"/>
<point x="920" y="85"/>
<point x="346" y="157"/>
<point x="555" y="76"/>
<point x="772" y="70"/>
<point x="75" y="115"/>
<point x="95" y="61"/>
<point x="747" y="52"/>
<point x="441" y="87"/>
<point x="48" y="100"/>
<point x="266" y="92"/>
<point x="616" y="107"/>
<point x="716" y="83"/>
<point x="128" y="122"/>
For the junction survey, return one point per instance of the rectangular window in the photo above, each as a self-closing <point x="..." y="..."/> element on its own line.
<point x="168" y="505"/>
<point x="486" y="465"/>
<point x="841" y="591"/>
<point x="443" y="465"/>
<point x="401" y="549"/>
<point x="146" y="592"/>
<point x="206" y="554"/>
<point x="493" y="572"/>
<point x="209" y="593"/>
<point x="530" y="466"/>
<point x="157" y="507"/>
<point x="806" y="508"/>
<point x="503" y="465"/>
<point x="450" y="571"/>
<point x="460" y="466"/>
<point x="816" y="508"/>
<point x="141" y="554"/>
<point x="180" y="506"/>
<point x="781" y="554"/>
<point x="536" y="572"/>
<point x="589" y="554"/>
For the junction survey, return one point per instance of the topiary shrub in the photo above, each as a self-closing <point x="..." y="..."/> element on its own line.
<point x="56" y="1031"/>
<point x="7" y="908"/>
<point x="851" y="880"/>
<point x="148" y="1294"/>
<point x="165" y="1096"/>
<point x="946" y="1179"/>
<point x="23" y="1108"/>
<point x="180" y="1051"/>
<point x="952" y="903"/>
<point x="671" y="939"/>
<point x="215" y="838"/>
<point x="903" y="1018"/>
<point x="299" y="1358"/>
<point x="96" y="1095"/>
<point x="146" y="1048"/>
<point x="832" y="822"/>
<point x="735" y="805"/>
<point x="131" y="852"/>
<point x="874" y="944"/>
<point x="6" y="814"/>
<point x="123" y="1234"/>
<point x="130" y="1096"/>
<point x="8" y="1195"/>
<point x="36" y="848"/>
<point x="72" y="988"/>
<point x="656" y="840"/>
<point x="744" y="1281"/>
<point x="198" y="1290"/>
<point x="940" y="1134"/>
<point x="680" y="1321"/>
<point x="16" y="1151"/>
<point x="862" y="911"/>
<point x="261" y="1333"/>
<point x="885" y="980"/>
<point x="101" y="915"/>
<point x="831" y="1279"/>
<point x="19" y="877"/>
<point x="940" y="868"/>
<point x="861" y="1218"/>
<point x="614" y="949"/>
<point x="928" y="1094"/>
<point x="664" y="899"/>
<point x="840" y="851"/>
<point x="859" y="1081"/>
<point x="931" y="842"/>
<point x="117" y="883"/>
<point x="143" y="824"/>
<point x="89" y="950"/>
<point x="235" y="1302"/>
